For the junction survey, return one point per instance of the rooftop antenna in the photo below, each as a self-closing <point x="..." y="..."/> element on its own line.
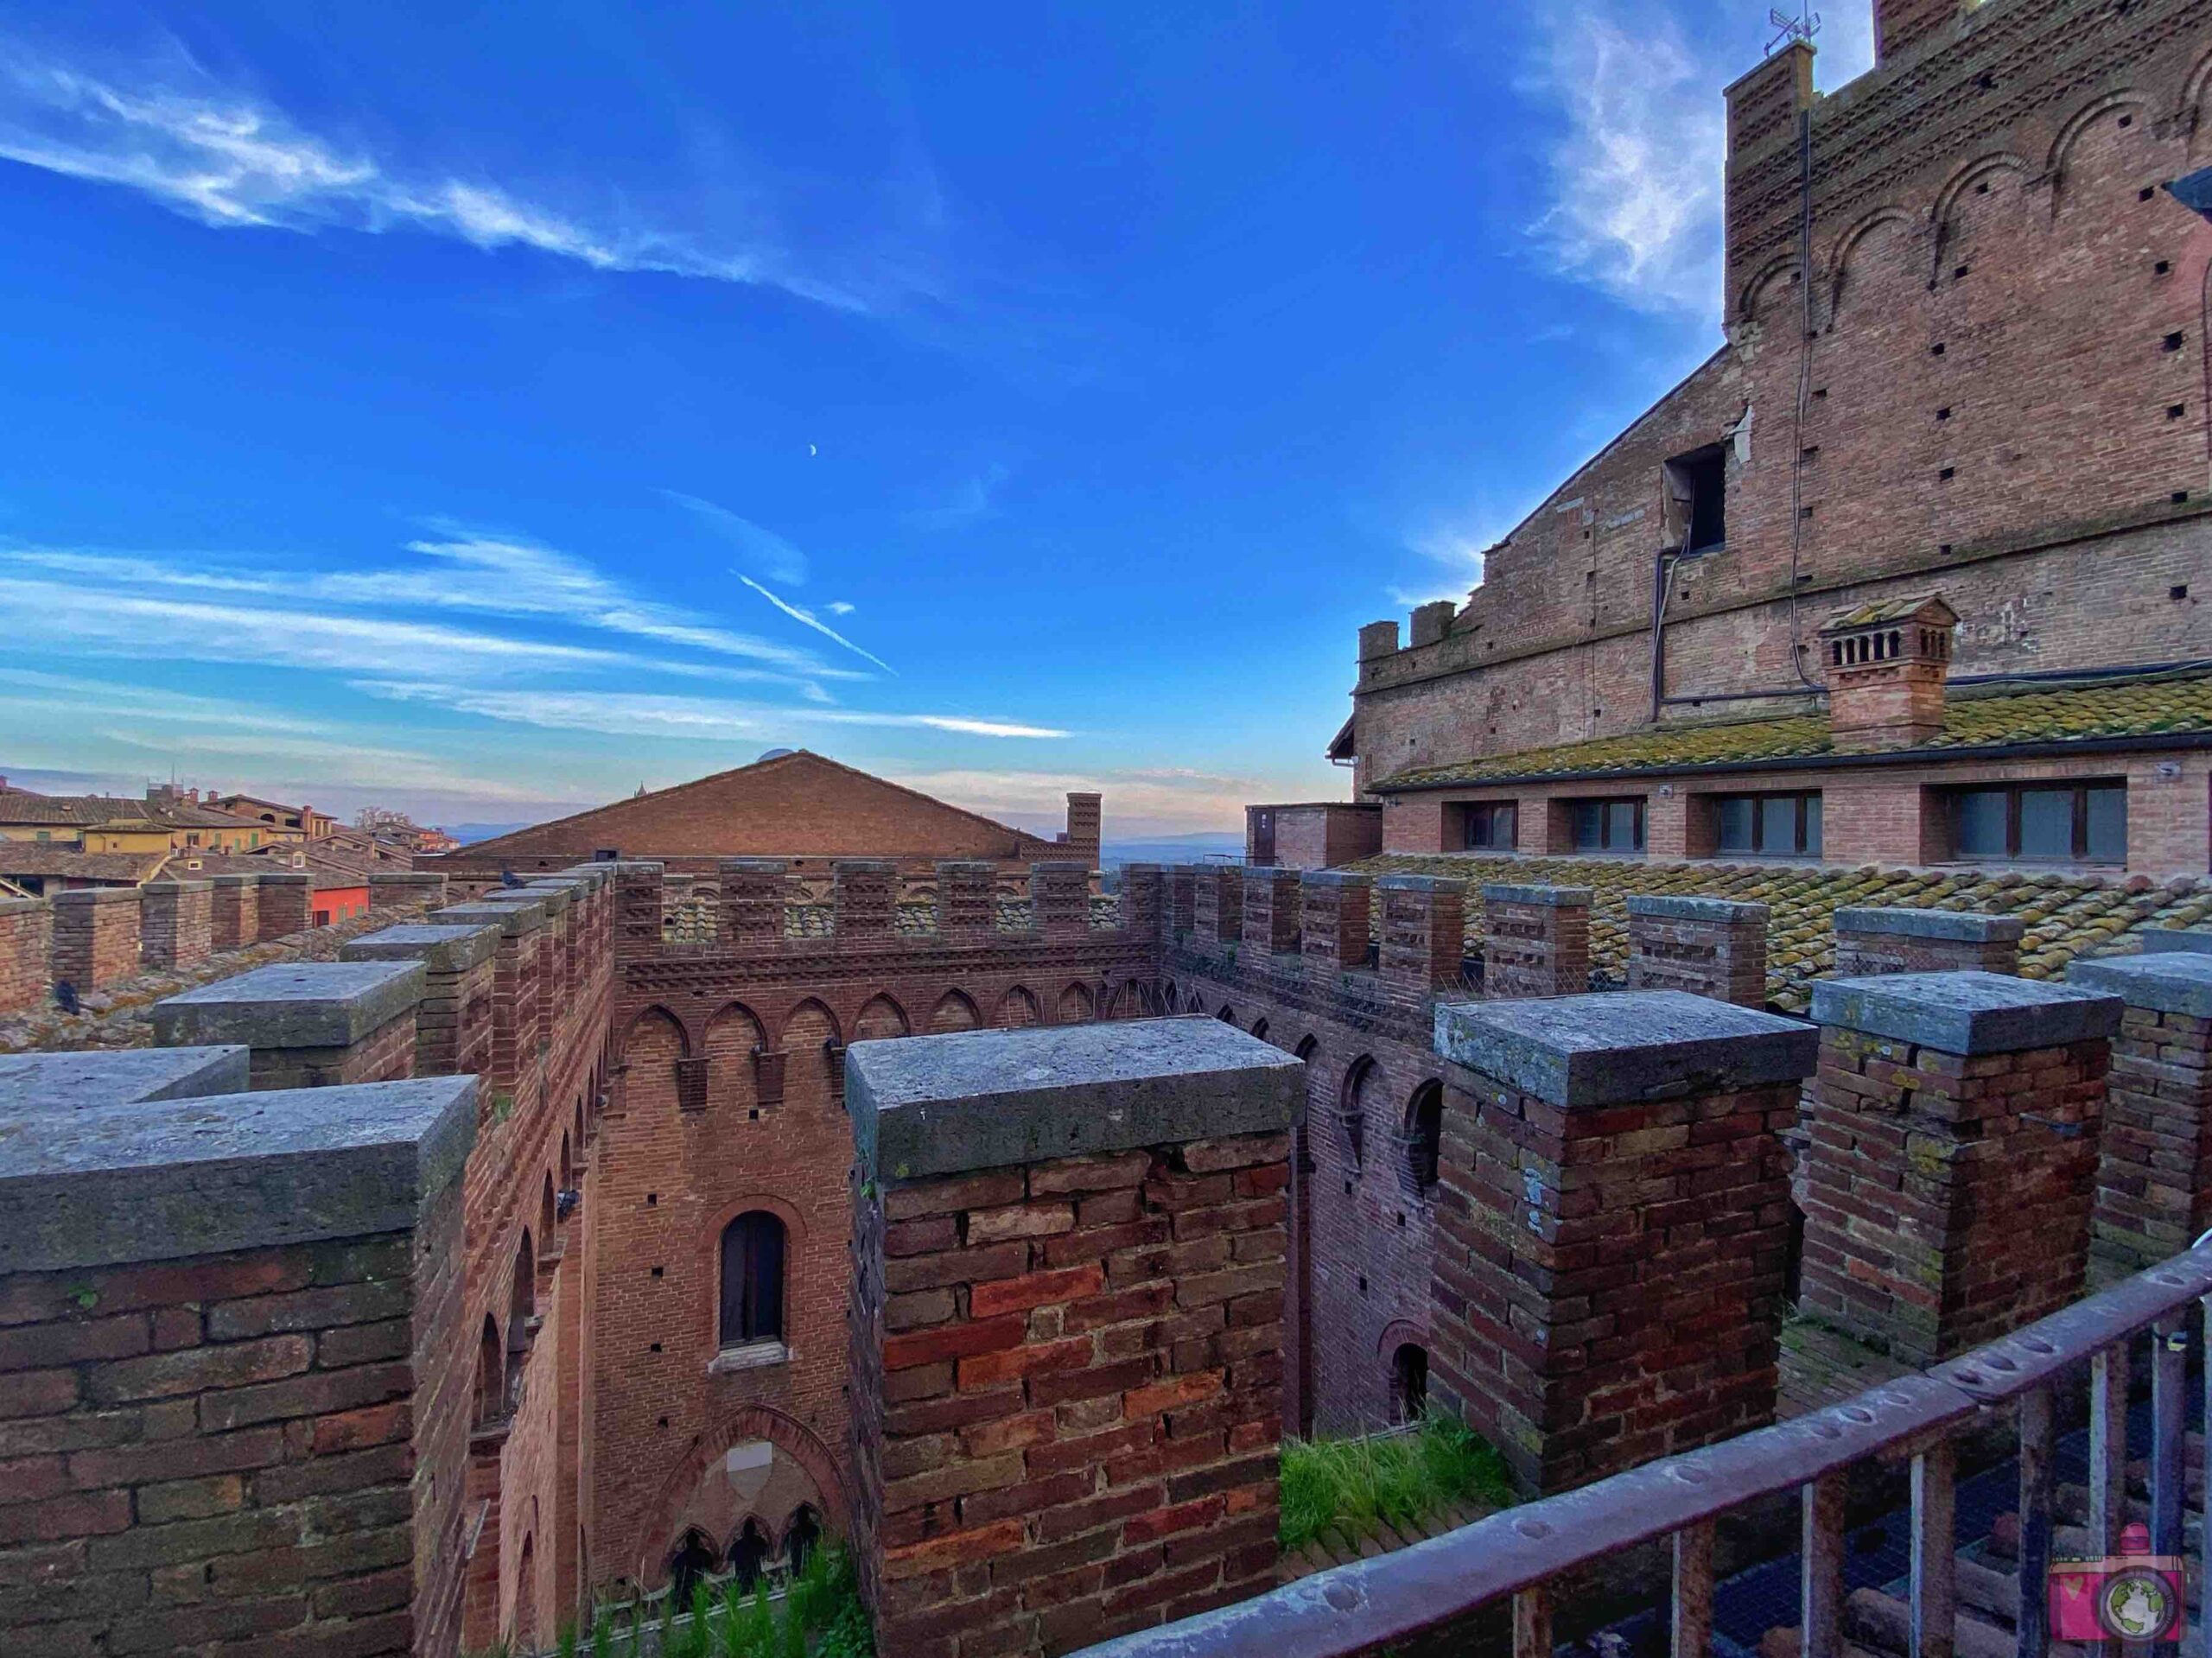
<point x="1789" y="30"/>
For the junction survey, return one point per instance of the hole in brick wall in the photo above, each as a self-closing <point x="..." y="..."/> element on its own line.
<point x="652" y="1199"/>
<point x="2176" y="411"/>
<point x="663" y="1421"/>
<point x="2180" y="591"/>
<point x="2180" y="496"/>
<point x="655" y="1347"/>
<point x="2146" y="192"/>
<point x="2174" y="341"/>
<point x="1401" y="1219"/>
<point x="1982" y="189"/>
<point x="1363" y="1283"/>
<point x="1943" y="414"/>
<point x="1809" y="455"/>
<point x="1820" y="394"/>
<point x="1947" y="474"/>
<point x="1958" y="272"/>
<point x="2165" y="267"/>
<point x="659" y="1271"/>
<point x="2125" y="122"/>
<point x="1804" y="511"/>
<point x="1986" y="82"/>
<point x="1935" y="350"/>
<point x="1347" y="1188"/>
<point x="1944" y="551"/>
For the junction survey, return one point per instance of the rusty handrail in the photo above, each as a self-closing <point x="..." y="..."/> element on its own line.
<point x="1369" y="1604"/>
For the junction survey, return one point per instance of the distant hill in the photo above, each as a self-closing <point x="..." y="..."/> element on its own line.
<point x="1174" y="849"/>
<point x="469" y="833"/>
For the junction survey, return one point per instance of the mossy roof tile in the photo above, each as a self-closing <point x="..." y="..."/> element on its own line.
<point x="2146" y="706"/>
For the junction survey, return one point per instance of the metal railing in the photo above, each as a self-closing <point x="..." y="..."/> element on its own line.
<point x="1519" y="1554"/>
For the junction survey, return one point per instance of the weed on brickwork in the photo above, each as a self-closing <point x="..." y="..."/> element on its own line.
<point x="817" y="1614"/>
<point x="1401" y="1476"/>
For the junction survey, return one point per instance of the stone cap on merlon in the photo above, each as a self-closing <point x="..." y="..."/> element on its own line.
<point x="2180" y="983"/>
<point x="292" y="1005"/>
<point x="1624" y="1046"/>
<point x="554" y="897"/>
<point x="2164" y="941"/>
<point x="287" y="878"/>
<point x="442" y="949"/>
<point x="1335" y="878"/>
<point x="512" y="919"/>
<point x="98" y="895"/>
<point x="253" y="880"/>
<point x="1421" y="883"/>
<point x="24" y="906"/>
<point x="1549" y="897"/>
<point x="1671" y="907"/>
<point x="1965" y="1012"/>
<point x="927" y="1106"/>
<point x="1970" y="926"/>
<point x="771" y="866"/>
<point x="167" y="1179"/>
<point x="179" y="883"/>
<point x="72" y="1081"/>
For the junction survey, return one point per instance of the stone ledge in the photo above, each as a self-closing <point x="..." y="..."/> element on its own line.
<point x="864" y="865"/>
<point x="237" y="881"/>
<point x="440" y="949"/>
<point x="556" y="897"/>
<point x="1421" y="883"/>
<point x="1965" y="1012"/>
<point x="1965" y="924"/>
<point x="171" y="884"/>
<point x="94" y="895"/>
<point x="1726" y="911"/>
<point x="594" y="875"/>
<point x="1335" y="878"/>
<point x="2167" y="940"/>
<point x="287" y="878"/>
<point x="782" y="865"/>
<point x="512" y="920"/>
<point x="2179" y="982"/>
<point x="1546" y="898"/>
<point x="24" y="906"/>
<point x="297" y="1005"/>
<point x="73" y="1081"/>
<point x="924" y="1106"/>
<point x="164" y="1180"/>
<point x="1616" y="1046"/>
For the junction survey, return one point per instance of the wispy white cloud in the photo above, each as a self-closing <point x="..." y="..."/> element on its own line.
<point x="838" y="607"/>
<point x="231" y="160"/>
<point x="1636" y="170"/>
<point x="630" y="714"/>
<point x="505" y="576"/>
<point x="1140" y="799"/>
<point x="765" y="551"/>
<point x="800" y="614"/>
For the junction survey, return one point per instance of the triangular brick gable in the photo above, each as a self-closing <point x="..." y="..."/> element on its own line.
<point x="799" y="805"/>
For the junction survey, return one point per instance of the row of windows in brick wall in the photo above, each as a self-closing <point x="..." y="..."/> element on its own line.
<point x="2067" y="823"/>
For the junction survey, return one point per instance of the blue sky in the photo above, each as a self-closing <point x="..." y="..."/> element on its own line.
<point x="484" y="410"/>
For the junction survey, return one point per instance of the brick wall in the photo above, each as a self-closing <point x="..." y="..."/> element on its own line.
<point x="248" y="1449"/>
<point x="1951" y="1164"/>
<point x="1708" y="947"/>
<point x="2044" y="468"/>
<point x="176" y="919"/>
<point x="1609" y="1265"/>
<point x="309" y="1024"/>
<point x="236" y="916"/>
<point x="2154" y="1164"/>
<point x="1067" y="1371"/>
<point x="1272" y="917"/>
<point x="26" y="951"/>
<point x="287" y="904"/>
<point x="1925" y="940"/>
<point x="95" y="935"/>
<point x="1424" y="927"/>
<point x="1535" y="940"/>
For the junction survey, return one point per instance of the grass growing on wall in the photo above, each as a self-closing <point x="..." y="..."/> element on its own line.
<point x="1392" y="1476"/>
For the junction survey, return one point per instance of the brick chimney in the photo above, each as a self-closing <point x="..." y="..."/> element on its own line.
<point x="1886" y="664"/>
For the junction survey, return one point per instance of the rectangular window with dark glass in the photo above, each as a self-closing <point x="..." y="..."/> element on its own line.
<point x="1767" y="826"/>
<point x="1493" y="827"/>
<point x="1606" y="825"/>
<point x="2041" y="823"/>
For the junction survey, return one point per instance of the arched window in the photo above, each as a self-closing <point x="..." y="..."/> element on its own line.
<point x="491" y="1376"/>
<point x="527" y="1597"/>
<point x="1227" y="1015"/>
<point x="749" y="1553"/>
<point x="692" y="1561"/>
<point x="752" y="1280"/>
<point x="1424" y="1136"/>
<point x="1259" y="1029"/>
<point x="522" y="1305"/>
<point x="548" y="1214"/>
<point x="1409" y="1382"/>
<point x="801" y="1538"/>
<point x="1351" y="1108"/>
